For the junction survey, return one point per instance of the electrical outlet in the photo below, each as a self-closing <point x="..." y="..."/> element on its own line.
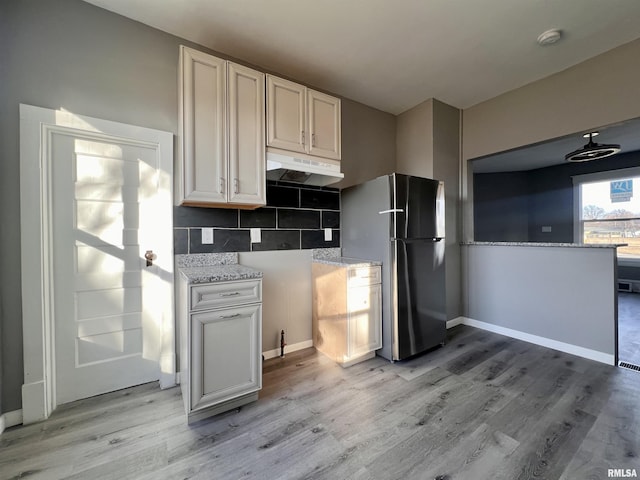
<point x="207" y="236"/>
<point x="328" y="234"/>
<point x="256" y="236"/>
<point x="546" y="229"/>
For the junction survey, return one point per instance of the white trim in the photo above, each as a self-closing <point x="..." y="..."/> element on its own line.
<point x="628" y="262"/>
<point x="603" y="176"/>
<point x="455" y="322"/>
<point x="10" y="419"/>
<point x="288" y="349"/>
<point x="606" y="175"/>
<point x="36" y="125"/>
<point x="542" y="341"/>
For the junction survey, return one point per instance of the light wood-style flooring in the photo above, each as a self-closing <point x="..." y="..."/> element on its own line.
<point x="482" y="407"/>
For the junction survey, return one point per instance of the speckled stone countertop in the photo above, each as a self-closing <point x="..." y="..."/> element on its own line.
<point x="347" y="262"/>
<point x="219" y="273"/>
<point x="214" y="267"/>
<point x="326" y="253"/>
<point x="333" y="256"/>
<point x="549" y="244"/>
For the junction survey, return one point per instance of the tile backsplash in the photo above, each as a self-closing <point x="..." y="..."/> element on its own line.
<point x="294" y="218"/>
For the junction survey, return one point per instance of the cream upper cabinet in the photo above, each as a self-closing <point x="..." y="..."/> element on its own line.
<point x="247" y="167"/>
<point x="324" y="125"/>
<point x="221" y="133"/>
<point x="286" y="110"/>
<point x="302" y="120"/>
<point x="203" y="97"/>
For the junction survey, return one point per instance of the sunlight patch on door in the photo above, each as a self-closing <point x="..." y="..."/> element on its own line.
<point x="115" y="301"/>
<point x="105" y="347"/>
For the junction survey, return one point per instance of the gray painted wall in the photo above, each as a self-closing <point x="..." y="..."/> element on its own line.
<point x="286" y="294"/>
<point x="563" y="294"/>
<point x="368" y="143"/>
<point x="600" y="91"/>
<point x="446" y="167"/>
<point x="69" y="54"/>
<point x="414" y="141"/>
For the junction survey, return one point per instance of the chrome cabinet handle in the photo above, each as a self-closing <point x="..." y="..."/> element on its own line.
<point x="313" y="139"/>
<point x="230" y="316"/>
<point x="229" y="294"/>
<point x="392" y="210"/>
<point x="302" y="132"/>
<point x="221" y="185"/>
<point x="236" y="184"/>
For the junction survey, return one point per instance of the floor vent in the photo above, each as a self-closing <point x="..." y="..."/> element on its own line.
<point x="625" y="286"/>
<point x="630" y="366"/>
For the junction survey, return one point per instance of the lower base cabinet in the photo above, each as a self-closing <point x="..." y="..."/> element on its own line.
<point x="220" y="354"/>
<point x="347" y="311"/>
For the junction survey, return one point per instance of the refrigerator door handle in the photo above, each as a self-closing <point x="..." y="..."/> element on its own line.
<point x="417" y="240"/>
<point x="392" y="210"/>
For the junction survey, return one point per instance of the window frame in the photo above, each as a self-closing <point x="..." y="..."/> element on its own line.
<point x="604" y="176"/>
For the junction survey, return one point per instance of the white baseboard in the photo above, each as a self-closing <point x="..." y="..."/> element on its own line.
<point x="455" y="322"/>
<point x="542" y="341"/>
<point x="10" y="419"/>
<point x="289" y="348"/>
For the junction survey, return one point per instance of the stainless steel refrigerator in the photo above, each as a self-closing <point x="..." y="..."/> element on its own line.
<point x="399" y="220"/>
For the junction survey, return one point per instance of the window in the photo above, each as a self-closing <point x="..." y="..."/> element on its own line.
<point x="609" y="210"/>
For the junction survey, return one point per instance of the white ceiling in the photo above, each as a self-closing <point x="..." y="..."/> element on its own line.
<point x="394" y="54"/>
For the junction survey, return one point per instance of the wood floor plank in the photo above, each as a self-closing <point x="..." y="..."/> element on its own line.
<point x="474" y="457"/>
<point x="614" y="439"/>
<point x="460" y="340"/>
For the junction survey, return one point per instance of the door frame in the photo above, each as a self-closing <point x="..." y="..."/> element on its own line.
<point x="37" y="125"/>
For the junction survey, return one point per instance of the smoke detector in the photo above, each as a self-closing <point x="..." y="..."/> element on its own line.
<point x="592" y="150"/>
<point x="549" y="37"/>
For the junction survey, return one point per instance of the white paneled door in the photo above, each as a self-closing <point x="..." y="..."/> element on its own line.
<point x="108" y="229"/>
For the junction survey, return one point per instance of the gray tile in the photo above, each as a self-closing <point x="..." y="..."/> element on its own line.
<point x="278" y="240"/>
<point x="223" y="241"/>
<point x="205" y="217"/>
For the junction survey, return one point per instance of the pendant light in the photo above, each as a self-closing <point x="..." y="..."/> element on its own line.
<point x="592" y="150"/>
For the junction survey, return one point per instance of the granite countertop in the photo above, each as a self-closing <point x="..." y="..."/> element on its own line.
<point x="214" y="267"/>
<point x="219" y="273"/>
<point x="347" y="262"/>
<point x="548" y="244"/>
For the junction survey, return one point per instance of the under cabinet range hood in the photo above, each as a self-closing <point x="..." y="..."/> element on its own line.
<point x="302" y="170"/>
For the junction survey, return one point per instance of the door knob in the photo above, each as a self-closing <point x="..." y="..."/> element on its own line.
<point x="149" y="257"/>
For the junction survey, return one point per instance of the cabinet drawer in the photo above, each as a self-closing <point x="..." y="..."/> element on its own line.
<point x="361" y="276"/>
<point x="222" y="294"/>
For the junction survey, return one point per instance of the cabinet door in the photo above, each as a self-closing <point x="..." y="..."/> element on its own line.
<point x="226" y="354"/>
<point x="202" y="176"/>
<point x="247" y="165"/>
<point x="365" y="320"/>
<point x="286" y="114"/>
<point x="324" y="125"/>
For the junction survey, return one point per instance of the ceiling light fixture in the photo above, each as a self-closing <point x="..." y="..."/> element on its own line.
<point x="549" y="37"/>
<point x="592" y="150"/>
